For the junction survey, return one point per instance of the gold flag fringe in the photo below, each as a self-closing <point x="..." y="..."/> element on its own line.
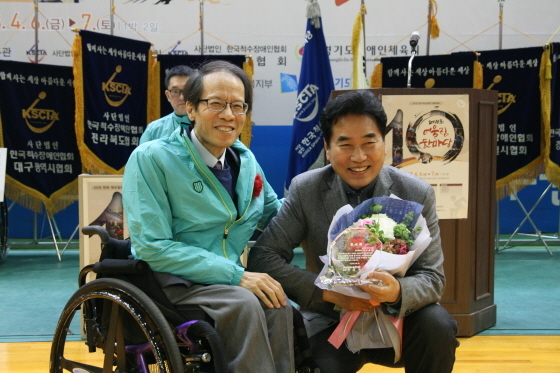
<point x="377" y="76"/>
<point x="519" y="179"/>
<point x="33" y="200"/>
<point x="478" y="77"/>
<point x="154" y="98"/>
<point x="246" y="133"/>
<point x="552" y="169"/>
<point x="434" y="27"/>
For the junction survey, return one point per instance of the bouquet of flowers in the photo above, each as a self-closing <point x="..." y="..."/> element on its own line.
<point x="381" y="233"/>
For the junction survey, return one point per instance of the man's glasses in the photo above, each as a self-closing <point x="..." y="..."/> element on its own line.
<point x="217" y="105"/>
<point x="175" y="92"/>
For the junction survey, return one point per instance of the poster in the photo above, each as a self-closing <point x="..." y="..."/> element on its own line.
<point x="428" y="136"/>
<point x="100" y="203"/>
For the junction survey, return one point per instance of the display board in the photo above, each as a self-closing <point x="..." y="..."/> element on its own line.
<point x="100" y="203"/>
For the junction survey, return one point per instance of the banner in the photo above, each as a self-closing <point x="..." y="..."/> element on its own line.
<point x="37" y="128"/>
<point x="314" y="88"/>
<point x="111" y="76"/>
<point x="167" y="61"/>
<point x="458" y="70"/>
<point x="515" y="74"/>
<point x="552" y="130"/>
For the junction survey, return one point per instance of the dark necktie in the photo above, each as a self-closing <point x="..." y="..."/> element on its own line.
<point x="218" y="165"/>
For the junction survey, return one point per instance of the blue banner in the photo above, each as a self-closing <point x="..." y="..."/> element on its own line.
<point x="514" y="73"/>
<point x="111" y="75"/>
<point x="314" y="88"/>
<point x="37" y="117"/>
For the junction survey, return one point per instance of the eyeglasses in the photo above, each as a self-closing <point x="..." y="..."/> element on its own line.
<point x="175" y="92"/>
<point x="217" y="105"/>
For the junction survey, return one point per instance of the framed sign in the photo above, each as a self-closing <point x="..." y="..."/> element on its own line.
<point x="100" y="203"/>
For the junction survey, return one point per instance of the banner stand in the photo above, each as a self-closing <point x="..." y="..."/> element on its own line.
<point x="528" y="218"/>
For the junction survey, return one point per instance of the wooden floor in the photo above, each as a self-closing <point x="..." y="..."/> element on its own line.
<point x="496" y="354"/>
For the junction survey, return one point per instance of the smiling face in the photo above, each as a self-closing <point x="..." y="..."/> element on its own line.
<point x="356" y="150"/>
<point x="177" y="82"/>
<point x="218" y="130"/>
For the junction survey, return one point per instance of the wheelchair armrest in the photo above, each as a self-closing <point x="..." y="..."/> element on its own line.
<point x="91" y="230"/>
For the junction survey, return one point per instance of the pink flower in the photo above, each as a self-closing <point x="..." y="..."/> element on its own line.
<point x="258" y="185"/>
<point x="363" y="222"/>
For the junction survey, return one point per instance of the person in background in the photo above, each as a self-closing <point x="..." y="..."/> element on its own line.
<point x="353" y="126"/>
<point x="192" y="201"/>
<point x="175" y="80"/>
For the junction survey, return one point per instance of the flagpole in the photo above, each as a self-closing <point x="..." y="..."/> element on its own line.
<point x="36" y="31"/>
<point x="429" y="28"/>
<point x="112" y="17"/>
<point x="363" y="10"/>
<point x="501" y="22"/>
<point x="201" y="11"/>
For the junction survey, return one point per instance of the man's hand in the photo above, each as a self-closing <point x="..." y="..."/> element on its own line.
<point x="389" y="292"/>
<point x="348" y="302"/>
<point x="265" y="287"/>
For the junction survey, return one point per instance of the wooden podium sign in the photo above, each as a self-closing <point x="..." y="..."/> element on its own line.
<point x="468" y="243"/>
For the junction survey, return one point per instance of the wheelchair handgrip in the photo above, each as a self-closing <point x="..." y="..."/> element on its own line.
<point x="90" y="230"/>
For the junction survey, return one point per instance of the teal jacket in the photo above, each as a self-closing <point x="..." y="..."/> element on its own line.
<point x="163" y="127"/>
<point x="182" y="220"/>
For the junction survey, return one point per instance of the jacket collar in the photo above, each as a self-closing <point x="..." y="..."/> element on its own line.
<point x="335" y="195"/>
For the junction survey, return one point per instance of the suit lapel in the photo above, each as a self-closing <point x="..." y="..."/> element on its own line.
<point x="383" y="185"/>
<point x="334" y="196"/>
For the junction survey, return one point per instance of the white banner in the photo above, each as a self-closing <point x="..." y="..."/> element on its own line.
<point x="271" y="32"/>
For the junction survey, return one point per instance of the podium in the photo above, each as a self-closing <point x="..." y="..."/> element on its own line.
<point x="468" y="244"/>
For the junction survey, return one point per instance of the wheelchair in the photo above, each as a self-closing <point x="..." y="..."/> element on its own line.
<point x="129" y="324"/>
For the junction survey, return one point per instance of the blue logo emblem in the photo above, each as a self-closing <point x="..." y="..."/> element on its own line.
<point x="289" y="82"/>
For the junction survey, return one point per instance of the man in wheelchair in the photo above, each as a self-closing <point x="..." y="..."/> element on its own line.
<point x="192" y="201"/>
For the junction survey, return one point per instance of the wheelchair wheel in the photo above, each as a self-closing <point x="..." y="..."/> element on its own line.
<point x="123" y="323"/>
<point x="3" y="230"/>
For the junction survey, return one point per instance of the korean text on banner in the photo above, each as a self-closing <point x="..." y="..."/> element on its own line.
<point x="37" y="128"/>
<point x="514" y="73"/>
<point x="111" y="76"/>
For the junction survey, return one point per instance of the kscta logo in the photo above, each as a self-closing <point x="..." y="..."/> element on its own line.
<point x="116" y="93"/>
<point x="39" y="120"/>
<point x="504" y="99"/>
<point x="41" y="53"/>
<point x="307" y="102"/>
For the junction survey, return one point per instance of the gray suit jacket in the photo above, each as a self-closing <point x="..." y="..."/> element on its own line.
<point x="304" y="219"/>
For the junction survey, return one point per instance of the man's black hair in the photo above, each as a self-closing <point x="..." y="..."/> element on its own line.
<point x="358" y="102"/>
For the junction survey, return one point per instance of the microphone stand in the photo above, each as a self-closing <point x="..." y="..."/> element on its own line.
<point x="412" y="54"/>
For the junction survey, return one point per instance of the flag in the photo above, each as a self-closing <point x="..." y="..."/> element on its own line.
<point x="112" y="102"/>
<point x="550" y="77"/>
<point x="37" y="128"/>
<point x="515" y="74"/>
<point x="314" y="88"/>
<point x="359" y="79"/>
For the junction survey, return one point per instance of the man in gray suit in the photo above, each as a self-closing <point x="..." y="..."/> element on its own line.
<point x="353" y="126"/>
